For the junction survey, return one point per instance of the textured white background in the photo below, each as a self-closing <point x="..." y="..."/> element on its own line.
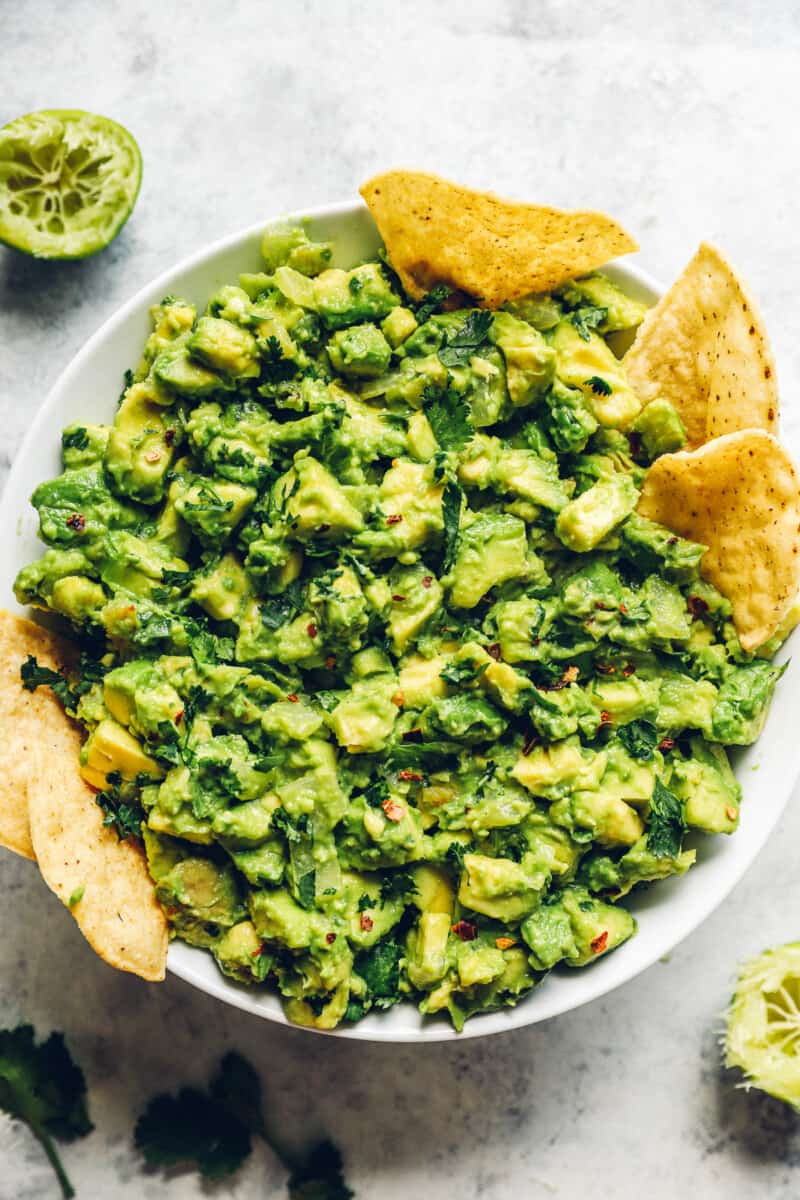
<point x="678" y="118"/>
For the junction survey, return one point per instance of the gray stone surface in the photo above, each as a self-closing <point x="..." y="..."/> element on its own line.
<point x="680" y="120"/>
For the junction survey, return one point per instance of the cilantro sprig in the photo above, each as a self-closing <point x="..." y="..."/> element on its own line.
<point x="466" y="341"/>
<point x="448" y="416"/>
<point x="43" y="1086"/>
<point x="667" y="823"/>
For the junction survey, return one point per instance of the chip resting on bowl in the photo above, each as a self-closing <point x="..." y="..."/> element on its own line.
<point x="705" y="349"/>
<point x="493" y="249"/>
<point x="738" y="495"/>
<point x="49" y="813"/>
<point x="24" y="717"/>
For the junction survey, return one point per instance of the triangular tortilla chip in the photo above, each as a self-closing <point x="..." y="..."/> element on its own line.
<point x="739" y="495"/>
<point x="23" y="717"/>
<point x="492" y="249"/>
<point x="705" y="349"/>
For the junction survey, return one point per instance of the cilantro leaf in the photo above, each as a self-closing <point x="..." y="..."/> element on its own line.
<point x="639" y="738"/>
<point x="467" y="340"/>
<point x="432" y="302"/>
<point x="43" y="1086"/>
<point x="75" y="439"/>
<point x="398" y="885"/>
<point x="293" y="831"/>
<point x="277" y="610"/>
<point x="192" y="1128"/>
<point x="34" y="676"/>
<point x="379" y="967"/>
<point x="124" y="814"/>
<point x="237" y="1086"/>
<point x="600" y="387"/>
<point x="468" y="671"/>
<point x="320" y="1177"/>
<point x="451" y="515"/>
<point x="667" y="824"/>
<point x="448" y="416"/>
<point x="587" y="318"/>
<point x="455" y="855"/>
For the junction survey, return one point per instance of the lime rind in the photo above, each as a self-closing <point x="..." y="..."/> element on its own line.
<point x="762" y="1036"/>
<point x="68" y="182"/>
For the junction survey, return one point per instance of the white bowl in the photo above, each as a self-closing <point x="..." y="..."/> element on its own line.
<point x="88" y="391"/>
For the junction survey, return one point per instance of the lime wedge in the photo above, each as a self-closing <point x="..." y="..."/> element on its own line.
<point x="68" y="182"/>
<point x="763" y="1023"/>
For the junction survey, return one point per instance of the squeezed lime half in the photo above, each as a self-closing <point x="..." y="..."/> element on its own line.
<point x="763" y="1023"/>
<point x="68" y="182"/>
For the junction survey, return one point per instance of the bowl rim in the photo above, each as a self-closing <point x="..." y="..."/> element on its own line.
<point x="238" y="996"/>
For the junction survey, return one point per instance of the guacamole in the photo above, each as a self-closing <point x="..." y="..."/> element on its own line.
<point x="401" y="693"/>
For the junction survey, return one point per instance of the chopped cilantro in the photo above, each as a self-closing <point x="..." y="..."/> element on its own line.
<point x="278" y="610"/>
<point x="466" y="341"/>
<point x="458" y="674"/>
<point x="34" y="676"/>
<point x="451" y="515"/>
<point x="587" y="318"/>
<point x="292" y="830"/>
<point x="365" y="902"/>
<point x="42" y="1086"/>
<point x="667" y="824"/>
<point x="448" y="416"/>
<point x="75" y="439"/>
<point x="379" y="967"/>
<point x="639" y="738"/>
<point x="432" y="302"/>
<point x="600" y="387"/>
<point x="397" y="885"/>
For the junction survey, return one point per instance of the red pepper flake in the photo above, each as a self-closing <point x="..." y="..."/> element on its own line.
<point x="366" y="922"/>
<point x="535" y="641"/>
<point x="169" y="438"/>
<point x="263" y="949"/>
<point x="178" y="717"/>
<point x="605" y="668"/>
<point x="398" y="698"/>
<point x="494" y="651"/>
<point x="392" y="810"/>
<point x="410" y="776"/>
<point x="330" y="661"/>
<point x="623" y="608"/>
<point x="605" y="717"/>
<point x="323" y="528"/>
<point x="599" y="604"/>
<point x="427" y="580"/>
<point x="666" y="744"/>
<point x="533" y="740"/>
<point x="629" y="669"/>
<point x="504" y="943"/>
<point x="292" y="698"/>
<point x="398" y="599"/>
<point x="465" y="930"/>
<point x="672" y="541"/>
<point x="570" y="675"/>
<point x="394" y="519"/>
<point x="76" y="521"/>
<point x="697" y="606"/>
<point x="311" y="629"/>
<point x="599" y="943"/>
<point x="731" y="813"/>
<point x="330" y="938"/>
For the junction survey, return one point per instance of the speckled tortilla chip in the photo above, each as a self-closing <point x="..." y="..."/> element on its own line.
<point x="492" y="249"/>
<point x="739" y="495"/>
<point x="23" y="717"/>
<point x="705" y="349"/>
<point x="78" y="855"/>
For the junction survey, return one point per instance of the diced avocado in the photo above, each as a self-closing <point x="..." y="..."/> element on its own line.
<point x="371" y="839"/>
<point x="77" y="507"/>
<point x="640" y="865"/>
<point x="478" y="963"/>
<point x="652" y="547"/>
<point x="492" y="548"/>
<point x="585" y="521"/>
<point x="741" y="707"/>
<point x="420" y="680"/>
<point x="548" y="933"/>
<point x="314" y="501"/>
<point x="629" y="779"/>
<point x="277" y="917"/>
<point x="76" y="597"/>
<point x="569" y="421"/>
<point x="398" y="326"/>
<point x="262" y="865"/>
<point x="35" y="582"/>
<point x="506" y="686"/>
<point x="278" y="242"/>
<point x="360" y="350"/>
<point x="577" y="928"/>
<point x="499" y="887"/>
<point x="224" y="347"/>
<point x="202" y="898"/>
<point x="660" y="428"/>
<point x="416" y="595"/>
<point x="597" y="291"/>
<point x="179" y="373"/>
<point x="222" y="590"/>
<point x="707" y="786"/>
<point x="428" y="959"/>
<point x="686" y="703"/>
<point x="530" y="362"/>
<point x="467" y="717"/>
<point x="627" y="700"/>
<point x="248" y="824"/>
<point x="139" y="453"/>
<point x="238" y="950"/>
<point x="82" y="445"/>
<point x="365" y="716"/>
<point x="348" y="297"/>
<point x="669" y="616"/>
<point x="411" y="512"/>
<point x="599" y="815"/>
<point x="137" y="694"/>
<point x="110" y="747"/>
<point x="553" y="770"/>
<point x="214" y="507"/>
<point x="518" y="622"/>
<point x="588" y="364"/>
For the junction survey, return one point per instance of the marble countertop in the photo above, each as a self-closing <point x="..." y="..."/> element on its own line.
<point x="679" y="119"/>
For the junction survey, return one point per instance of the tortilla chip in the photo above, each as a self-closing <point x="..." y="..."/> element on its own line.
<point x="23" y="718"/>
<point x="705" y="349"/>
<point x="495" y="250"/>
<point x="739" y="495"/>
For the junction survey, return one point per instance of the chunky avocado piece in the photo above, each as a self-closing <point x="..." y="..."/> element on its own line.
<point x="140" y="449"/>
<point x="313" y="502"/>
<point x="530" y="362"/>
<point x="410" y="512"/>
<point x="363" y="719"/>
<point x="598" y="816"/>
<point x="222" y="590"/>
<point x="569" y="421"/>
<point x="82" y="445"/>
<point x="584" y="361"/>
<point x="349" y="297"/>
<point x="78" y="507"/>
<point x="110" y="747"/>
<point x="224" y="347"/>
<point x="499" y="887"/>
<point x="587" y="520"/>
<point x="398" y="326"/>
<point x="467" y="718"/>
<point x="707" y="786"/>
<point x="660" y="428"/>
<point x="741" y="707"/>
<point x="576" y="928"/>
<point x="181" y="375"/>
<point x="416" y="595"/>
<point x="597" y="291"/>
<point x="237" y="952"/>
<point x="558" y="769"/>
<point x="651" y="547"/>
<point x="685" y="703"/>
<point x="389" y="836"/>
<point x="212" y="508"/>
<point x="360" y="351"/>
<point x="491" y="549"/>
<point x="202" y="899"/>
